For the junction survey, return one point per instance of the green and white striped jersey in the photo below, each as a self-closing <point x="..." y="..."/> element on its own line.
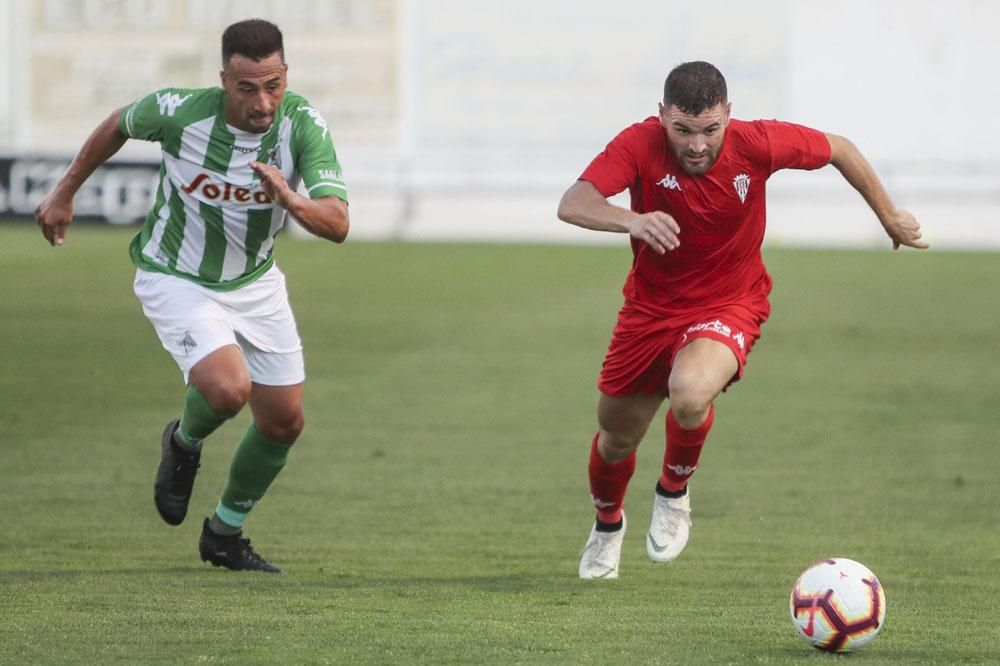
<point x="211" y="222"/>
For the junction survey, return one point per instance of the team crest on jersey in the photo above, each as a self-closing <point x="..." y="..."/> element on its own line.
<point x="742" y="185"/>
<point x="274" y="157"/>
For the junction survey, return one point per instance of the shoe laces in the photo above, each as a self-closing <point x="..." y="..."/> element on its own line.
<point x="186" y="471"/>
<point x="248" y="552"/>
<point x="186" y="463"/>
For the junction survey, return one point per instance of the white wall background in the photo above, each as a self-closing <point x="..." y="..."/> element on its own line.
<point x="467" y="120"/>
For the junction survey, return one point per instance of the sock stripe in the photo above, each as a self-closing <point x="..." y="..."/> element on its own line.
<point x="230" y="517"/>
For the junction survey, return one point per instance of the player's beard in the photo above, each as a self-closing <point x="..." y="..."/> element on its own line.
<point x="698" y="166"/>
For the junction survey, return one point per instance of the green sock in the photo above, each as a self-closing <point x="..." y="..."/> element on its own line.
<point x="198" y="421"/>
<point x="256" y="463"/>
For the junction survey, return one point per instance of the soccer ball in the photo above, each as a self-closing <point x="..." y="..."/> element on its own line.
<point x="837" y="605"/>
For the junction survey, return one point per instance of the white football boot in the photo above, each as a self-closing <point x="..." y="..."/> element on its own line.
<point x="669" y="527"/>
<point x="601" y="553"/>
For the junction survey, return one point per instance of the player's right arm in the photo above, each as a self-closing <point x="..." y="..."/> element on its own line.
<point x="55" y="212"/>
<point x="900" y="225"/>
<point x="584" y="206"/>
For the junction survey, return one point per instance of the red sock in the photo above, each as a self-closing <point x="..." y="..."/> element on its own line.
<point x="608" y="483"/>
<point x="683" y="450"/>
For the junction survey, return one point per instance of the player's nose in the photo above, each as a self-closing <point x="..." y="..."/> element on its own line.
<point x="262" y="103"/>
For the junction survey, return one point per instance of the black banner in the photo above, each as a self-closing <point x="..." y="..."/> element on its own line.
<point x="117" y="193"/>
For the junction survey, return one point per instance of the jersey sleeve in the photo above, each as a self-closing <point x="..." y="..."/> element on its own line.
<point x="145" y="118"/>
<point x="315" y="157"/>
<point x="617" y="166"/>
<point x="794" y="146"/>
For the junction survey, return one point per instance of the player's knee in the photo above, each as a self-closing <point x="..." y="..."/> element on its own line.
<point x="284" y="428"/>
<point x="228" y="398"/>
<point x="616" y="446"/>
<point x="690" y="401"/>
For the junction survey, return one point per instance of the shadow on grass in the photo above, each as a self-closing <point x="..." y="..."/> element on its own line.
<point x="320" y="579"/>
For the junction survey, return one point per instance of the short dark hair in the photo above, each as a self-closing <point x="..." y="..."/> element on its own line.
<point x="694" y="86"/>
<point x="253" y="38"/>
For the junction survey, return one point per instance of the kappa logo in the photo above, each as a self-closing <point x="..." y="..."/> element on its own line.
<point x="169" y="102"/>
<point x="742" y="185"/>
<point x="669" y="182"/>
<point x="246" y="504"/>
<point x="318" y="119"/>
<point x="601" y="504"/>
<point x="682" y="470"/>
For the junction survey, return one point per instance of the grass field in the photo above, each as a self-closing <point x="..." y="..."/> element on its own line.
<point x="434" y="509"/>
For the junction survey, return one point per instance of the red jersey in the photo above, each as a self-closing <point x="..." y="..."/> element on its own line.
<point x="721" y="213"/>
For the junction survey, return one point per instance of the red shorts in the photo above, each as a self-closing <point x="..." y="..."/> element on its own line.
<point x="643" y="345"/>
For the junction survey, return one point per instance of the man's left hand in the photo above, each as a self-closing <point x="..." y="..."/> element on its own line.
<point x="273" y="182"/>
<point x="904" y="229"/>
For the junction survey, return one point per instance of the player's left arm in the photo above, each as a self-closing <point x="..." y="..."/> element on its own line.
<point x="326" y="217"/>
<point x="901" y="225"/>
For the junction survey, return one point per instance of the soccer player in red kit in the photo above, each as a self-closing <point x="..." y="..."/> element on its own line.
<point x="696" y="295"/>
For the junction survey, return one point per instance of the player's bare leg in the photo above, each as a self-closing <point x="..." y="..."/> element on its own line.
<point x="260" y="456"/>
<point x="223" y="378"/>
<point x="277" y="412"/>
<point x="623" y="422"/>
<point x="219" y="386"/>
<point x="262" y="453"/>
<point x="701" y="370"/>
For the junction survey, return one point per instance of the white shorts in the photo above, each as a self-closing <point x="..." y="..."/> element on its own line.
<point x="193" y="321"/>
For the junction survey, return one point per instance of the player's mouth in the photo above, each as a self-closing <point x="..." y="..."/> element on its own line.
<point x="261" y="120"/>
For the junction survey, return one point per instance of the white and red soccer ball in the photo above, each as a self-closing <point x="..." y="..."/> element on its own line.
<point x="837" y="605"/>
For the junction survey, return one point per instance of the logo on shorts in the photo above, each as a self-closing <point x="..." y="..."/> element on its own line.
<point x="718" y="328"/>
<point x="714" y="326"/>
<point x="187" y="343"/>
<point x="742" y="185"/>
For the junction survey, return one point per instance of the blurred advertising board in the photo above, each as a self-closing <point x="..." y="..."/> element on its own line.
<point x="119" y="192"/>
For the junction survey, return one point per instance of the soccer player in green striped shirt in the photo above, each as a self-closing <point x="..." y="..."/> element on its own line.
<point x="232" y="161"/>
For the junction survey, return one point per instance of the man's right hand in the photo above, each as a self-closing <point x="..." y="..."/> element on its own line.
<point x="657" y="229"/>
<point x="54" y="214"/>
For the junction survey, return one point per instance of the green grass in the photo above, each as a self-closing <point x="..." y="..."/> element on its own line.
<point x="434" y="509"/>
